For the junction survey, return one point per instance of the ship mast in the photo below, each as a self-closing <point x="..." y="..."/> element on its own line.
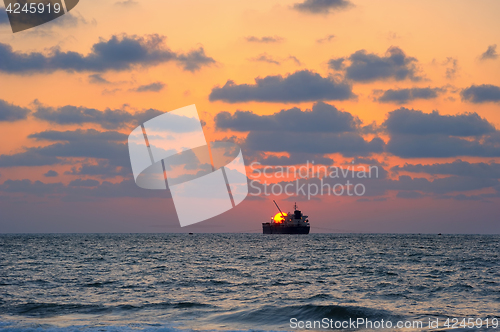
<point x="279" y="208"/>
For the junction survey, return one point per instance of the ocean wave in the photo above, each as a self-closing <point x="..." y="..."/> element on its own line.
<point x="16" y="327"/>
<point x="282" y="314"/>
<point x="228" y="282"/>
<point x="54" y="309"/>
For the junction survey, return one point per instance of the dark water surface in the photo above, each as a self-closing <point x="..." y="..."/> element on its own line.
<point x="165" y="282"/>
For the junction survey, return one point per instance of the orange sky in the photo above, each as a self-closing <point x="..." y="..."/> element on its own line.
<point x="430" y="31"/>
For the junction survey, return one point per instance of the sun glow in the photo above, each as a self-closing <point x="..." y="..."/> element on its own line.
<point x="279" y="218"/>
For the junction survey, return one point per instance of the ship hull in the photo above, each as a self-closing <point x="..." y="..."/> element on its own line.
<point x="267" y="228"/>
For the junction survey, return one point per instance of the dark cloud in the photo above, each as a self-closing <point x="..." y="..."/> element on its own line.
<point x="51" y="173"/>
<point x="401" y="96"/>
<point x="371" y="128"/>
<point x="463" y="197"/>
<point x="380" y="185"/>
<point x="4" y="19"/>
<point x="265" y="58"/>
<point x="408" y="187"/>
<point x="98" y="79"/>
<point x="10" y="112"/>
<point x="481" y="93"/>
<point x="194" y="60"/>
<point x="409" y="194"/>
<point x="103" y="169"/>
<point x="110" y="91"/>
<point x="85" y="149"/>
<point x="78" y="135"/>
<point x="142" y="116"/>
<point x="367" y="161"/>
<point x="322" y="118"/>
<point x="440" y="146"/>
<point x="368" y="67"/>
<point x="441" y="185"/>
<point x="452" y="69"/>
<point x="322" y="130"/>
<point x="294" y="59"/>
<point x="325" y="39"/>
<point x="117" y="53"/>
<point x="376" y="185"/>
<point x="266" y="39"/>
<point x="108" y="119"/>
<point x="337" y="64"/>
<point x="126" y="188"/>
<point x="28" y="187"/>
<point x="90" y="143"/>
<point x="414" y="134"/>
<point x="296" y="159"/>
<point x="300" y="86"/>
<point x="458" y="168"/>
<point x="405" y="121"/>
<point x="348" y="144"/>
<point x="28" y="158"/>
<point x="84" y="183"/>
<point x="321" y="6"/>
<point x="65" y="115"/>
<point x="153" y="87"/>
<point x="491" y="53"/>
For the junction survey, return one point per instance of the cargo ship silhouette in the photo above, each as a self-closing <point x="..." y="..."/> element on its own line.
<point x="287" y="223"/>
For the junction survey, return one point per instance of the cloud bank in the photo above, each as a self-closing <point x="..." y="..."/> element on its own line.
<point x="414" y="134"/>
<point x="79" y="115"/>
<point x="457" y="168"/>
<point x="322" y="118"/>
<point x="4" y="19"/>
<point x="117" y="53"/>
<point x="10" y="112"/>
<point x="491" y="53"/>
<point x="265" y="39"/>
<point x="109" y="145"/>
<point x="481" y="94"/>
<point x="402" y="96"/>
<point x="316" y="132"/>
<point x="153" y="87"/>
<point x="365" y="67"/>
<point x="300" y="86"/>
<point x="321" y="6"/>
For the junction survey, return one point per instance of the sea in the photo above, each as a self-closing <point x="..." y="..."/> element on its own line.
<point x="248" y="282"/>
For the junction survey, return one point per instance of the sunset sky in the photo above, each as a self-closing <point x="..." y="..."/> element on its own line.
<point x="412" y="87"/>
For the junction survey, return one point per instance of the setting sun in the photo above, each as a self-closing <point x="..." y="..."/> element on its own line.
<point x="279" y="217"/>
